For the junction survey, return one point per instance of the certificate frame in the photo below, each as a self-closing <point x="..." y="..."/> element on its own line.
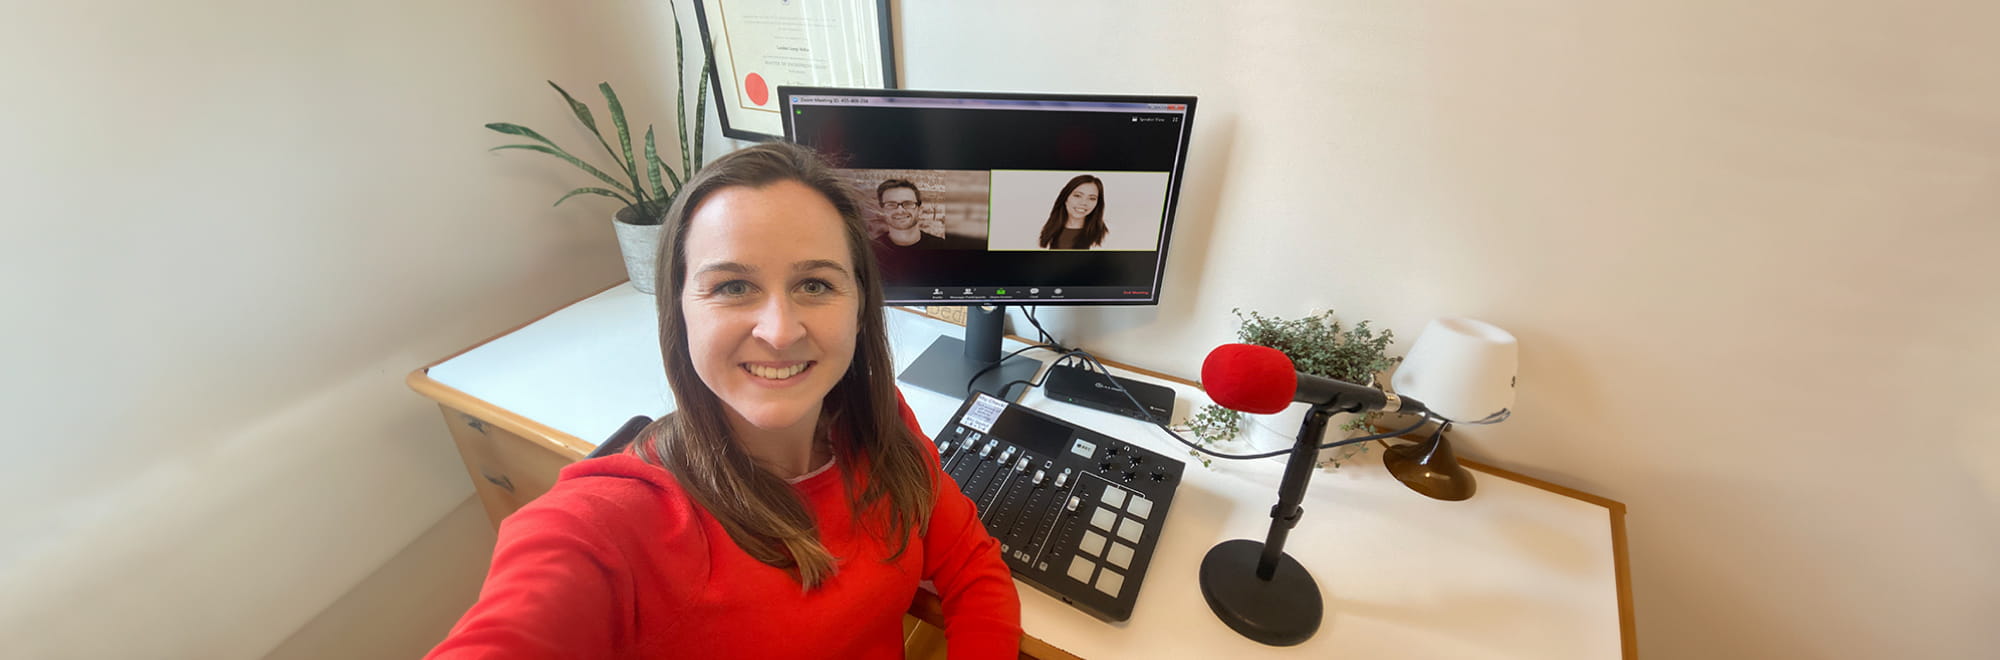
<point x="758" y="45"/>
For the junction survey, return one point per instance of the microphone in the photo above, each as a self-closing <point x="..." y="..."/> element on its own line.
<point x="1261" y="380"/>
<point x="1255" y="588"/>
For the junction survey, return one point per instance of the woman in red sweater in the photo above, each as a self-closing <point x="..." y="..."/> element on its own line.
<point x="791" y="506"/>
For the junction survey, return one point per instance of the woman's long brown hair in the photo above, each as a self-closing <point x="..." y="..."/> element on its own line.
<point x="761" y="512"/>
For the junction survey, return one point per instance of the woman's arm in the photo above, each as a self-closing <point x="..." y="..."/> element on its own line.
<point x="555" y="589"/>
<point x="982" y="611"/>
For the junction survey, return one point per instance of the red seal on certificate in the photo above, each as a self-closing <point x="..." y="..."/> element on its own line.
<point x="753" y="85"/>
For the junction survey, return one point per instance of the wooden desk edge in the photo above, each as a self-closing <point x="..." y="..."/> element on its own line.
<point x="445" y="395"/>
<point x="466" y="404"/>
<point x="1621" y="558"/>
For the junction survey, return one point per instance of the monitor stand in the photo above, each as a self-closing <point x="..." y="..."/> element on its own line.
<point x="950" y="363"/>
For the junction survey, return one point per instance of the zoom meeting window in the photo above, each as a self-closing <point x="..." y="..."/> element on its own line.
<point x="1006" y="198"/>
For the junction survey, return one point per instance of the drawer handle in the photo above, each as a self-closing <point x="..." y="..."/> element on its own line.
<point x="501" y="481"/>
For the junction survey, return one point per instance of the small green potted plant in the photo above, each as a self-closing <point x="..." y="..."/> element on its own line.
<point x="1318" y="345"/>
<point x="643" y="198"/>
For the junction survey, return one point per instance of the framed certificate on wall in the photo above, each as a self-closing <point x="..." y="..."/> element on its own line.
<point x="757" y="45"/>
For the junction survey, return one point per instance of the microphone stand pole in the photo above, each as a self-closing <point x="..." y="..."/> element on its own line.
<point x="1261" y="592"/>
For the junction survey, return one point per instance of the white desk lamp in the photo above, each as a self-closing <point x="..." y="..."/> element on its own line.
<point x="1464" y="370"/>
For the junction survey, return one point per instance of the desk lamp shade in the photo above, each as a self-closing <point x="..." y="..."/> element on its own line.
<point x="1463" y="371"/>
<point x="1461" y="368"/>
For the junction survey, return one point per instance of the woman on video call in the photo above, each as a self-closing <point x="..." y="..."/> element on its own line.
<point x="791" y="506"/>
<point x="1076" y="221"/>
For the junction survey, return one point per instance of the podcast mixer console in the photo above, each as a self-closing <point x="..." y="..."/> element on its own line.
<point x="1077" y="513"/>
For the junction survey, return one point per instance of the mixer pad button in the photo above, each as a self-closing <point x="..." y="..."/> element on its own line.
<point x="1121" y="555"/>
<point x="1109" y="582"/>
<point x="1080" y="568"/>
<point x="1114" y="497"/>
<point x="1130" y="529"/>
<point x="1093" y="543"/>
<point x="1103" y="519"/>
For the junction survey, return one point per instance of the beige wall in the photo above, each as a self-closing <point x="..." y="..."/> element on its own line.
<point x="230" y="229"/>
<point x="1748" y="249"/>
<point x="1745" y="245"/>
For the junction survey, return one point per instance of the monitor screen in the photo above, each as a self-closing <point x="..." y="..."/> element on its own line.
<point x="1021" y="199"/>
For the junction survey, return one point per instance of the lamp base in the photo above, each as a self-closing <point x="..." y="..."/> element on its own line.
<point x="1431" y="468"/>
<point x="1282" y="611"/>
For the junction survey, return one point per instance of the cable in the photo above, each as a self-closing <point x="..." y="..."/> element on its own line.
<point x="982" y="371"/>
<point x="1494" y="418"/>
<point x="1282" y="452"/>
<point x="1439" y="432"/>
<point x="1092" y="360"/>
<point x="1030" y="382"/>
<point x="1029" y="311"/>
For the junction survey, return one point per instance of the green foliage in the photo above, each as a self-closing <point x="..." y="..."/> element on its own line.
<point x="1318" y="345"/>
<point x="1345" y="453"/>
<point x="647" y="192"/>
<point x="1213" y="424"/>
<point x="1215" y="421"/>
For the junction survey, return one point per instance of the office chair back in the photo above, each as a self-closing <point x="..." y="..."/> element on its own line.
<point x="621" y="438"/>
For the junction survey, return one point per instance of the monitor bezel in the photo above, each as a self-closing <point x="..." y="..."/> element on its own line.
<point x="786" y="92"/>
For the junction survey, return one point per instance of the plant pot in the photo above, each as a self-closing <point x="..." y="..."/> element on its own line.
<point x="1281" y="429"/>
<point x="641" y="246"/>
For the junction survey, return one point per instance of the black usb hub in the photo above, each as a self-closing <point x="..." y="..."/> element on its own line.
<point x="1090" y="389"/>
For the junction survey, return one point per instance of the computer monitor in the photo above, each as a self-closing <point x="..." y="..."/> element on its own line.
<point x="994" y="199"/>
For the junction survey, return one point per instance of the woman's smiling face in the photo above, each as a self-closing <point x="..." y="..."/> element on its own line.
<point x="772" y="304"/>
<point x="1082" y="200"/>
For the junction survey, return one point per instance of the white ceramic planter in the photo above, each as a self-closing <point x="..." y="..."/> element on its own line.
<point x="641" y="246"/>
<point x="1281" y="429"/>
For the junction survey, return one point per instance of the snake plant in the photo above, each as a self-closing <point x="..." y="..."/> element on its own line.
<point x="649" y="196"/>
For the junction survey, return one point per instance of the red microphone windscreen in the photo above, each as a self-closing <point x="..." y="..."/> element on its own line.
<point x="1249" y="378"/>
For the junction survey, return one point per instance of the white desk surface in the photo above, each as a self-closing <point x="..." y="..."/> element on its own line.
<point x="1517" y="571"/>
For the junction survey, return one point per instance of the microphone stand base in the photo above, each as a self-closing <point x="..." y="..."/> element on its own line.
<point x="1282" y="611"/>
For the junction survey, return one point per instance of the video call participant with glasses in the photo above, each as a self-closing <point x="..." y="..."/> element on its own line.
<point x="903" y="220"/>
<point x="791" y="506"/>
